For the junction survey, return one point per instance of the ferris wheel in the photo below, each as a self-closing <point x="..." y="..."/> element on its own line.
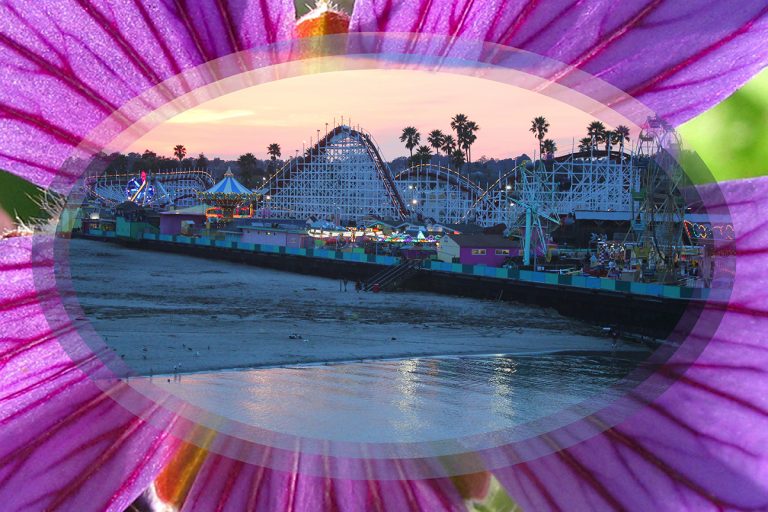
<point x="658" y="207"/>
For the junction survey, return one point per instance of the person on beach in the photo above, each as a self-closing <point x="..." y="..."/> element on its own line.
<point x="614" y="337"/>
<point x="358" y="286"/>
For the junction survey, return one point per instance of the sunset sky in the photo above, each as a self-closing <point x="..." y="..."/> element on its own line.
<point x="383" y="102"/>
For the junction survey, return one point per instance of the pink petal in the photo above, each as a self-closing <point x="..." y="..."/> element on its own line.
<point x="64" y="441"/>
<point x="70" y="64"/>
<point x="702" y="445"/>
<point x="678" y="58"/>
<point x="225" y="484"/>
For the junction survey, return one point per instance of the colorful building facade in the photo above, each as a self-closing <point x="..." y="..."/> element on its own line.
<point x="479" y="249"/>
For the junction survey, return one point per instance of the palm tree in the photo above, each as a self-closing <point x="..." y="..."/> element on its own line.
<point x="411" y="137"/>
<point x="449" y="144"/>
<point x="596" y="131"/>
<point x="202" y="161"/>
<point x="435" y="139"/>
<point x="622" y="133"/>
<point x="470" y="128"/>
<point x="539" y="128"/>
<point x="459" y="125"/>
<point x="549" y="148"/>
<point x="457" y="158"/>
<point x="585" y="144"/>
<point x="180" y="152"/>
<point x="422" y="156"/>
<point x="274" y="151"/>
<point x="465" y="133"/>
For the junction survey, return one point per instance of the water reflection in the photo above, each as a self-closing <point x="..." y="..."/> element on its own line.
<point x="410" y="400"/>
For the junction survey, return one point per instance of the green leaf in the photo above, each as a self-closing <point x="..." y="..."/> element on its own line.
<point x="302" y="9"/>
<point x="19" y="198"/>
<point x="497" y="500"/>
<point x="732" y="137"/>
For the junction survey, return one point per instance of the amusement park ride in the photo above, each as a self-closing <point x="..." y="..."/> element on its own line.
<point x="154" y="190"/>
<point x="344" y="173"/>
<point x="343" y="177"/>
<point x="228" y="195"/>
<point x="658" y="207"/>
<point x="140" y="191"/>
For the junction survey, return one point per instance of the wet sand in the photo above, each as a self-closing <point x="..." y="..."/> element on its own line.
<point x="162" y="312"/>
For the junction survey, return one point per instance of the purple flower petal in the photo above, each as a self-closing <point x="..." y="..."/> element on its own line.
<point x="225" y="484"/>
<point x="66" y="443"/>
<point x="678" y="58"/>
<point x="703" y="445"/>
<point x="74" y="62"/>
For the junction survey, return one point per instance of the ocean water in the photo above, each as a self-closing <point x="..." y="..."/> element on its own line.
<point x="411" y="400"/>
<point x="160" y="311"/>
<point x="259" y="346"/>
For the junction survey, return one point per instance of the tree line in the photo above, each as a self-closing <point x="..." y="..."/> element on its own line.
<point x="251" y="170"/>
<point x="597" y="134"/>
<point x="458" y="148"/>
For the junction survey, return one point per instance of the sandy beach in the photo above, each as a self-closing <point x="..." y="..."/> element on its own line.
<point x="164" y="312"/>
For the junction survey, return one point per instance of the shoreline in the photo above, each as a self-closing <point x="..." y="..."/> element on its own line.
<point x="340" y="362"/>
<point x="164" y="313"/>
<point x="654" y="312"/>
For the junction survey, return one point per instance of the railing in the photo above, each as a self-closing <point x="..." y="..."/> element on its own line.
<point x="400" y="269"/>
<point x="203" y="241"/>
<point x="588" y="282"/>
<point x="389" y="278"/>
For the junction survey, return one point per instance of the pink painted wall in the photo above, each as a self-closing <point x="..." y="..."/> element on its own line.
<point x="490" y="257"/>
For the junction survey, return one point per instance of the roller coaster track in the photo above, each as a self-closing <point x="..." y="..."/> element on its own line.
<point x="110" y="189"/>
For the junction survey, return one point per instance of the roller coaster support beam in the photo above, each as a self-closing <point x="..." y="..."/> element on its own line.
<point x="527" y="244"/>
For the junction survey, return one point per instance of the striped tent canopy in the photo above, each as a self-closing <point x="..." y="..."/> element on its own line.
<point x="228" y="194"/>
<point x="229" y="185"/>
